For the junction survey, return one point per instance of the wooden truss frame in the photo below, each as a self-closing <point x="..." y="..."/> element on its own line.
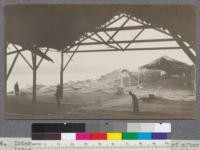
<point x="110" y="42"/>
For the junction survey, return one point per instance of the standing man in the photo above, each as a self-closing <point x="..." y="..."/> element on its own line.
<point x="134" y="102"/>
<point x="16" y="88"/>
<point x="58" y="95"/>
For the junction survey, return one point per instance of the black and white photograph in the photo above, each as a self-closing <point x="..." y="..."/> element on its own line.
<point x="100" y="61"/>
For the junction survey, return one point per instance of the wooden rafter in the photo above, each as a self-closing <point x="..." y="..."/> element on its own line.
<point x="89" y="37"/>
<point x="130" y="49"/>
<point x="117" y="29"/>
<point x="155" y="28"/>
<point x="137" y="35"/>
<point x="14" y="52"/>
<point x="12" y="65"/>
<point x="113" y="40"/>
<point x="73" y="52"/>
<point x="177" y="39"/>
<point x="41" y="59"/>
<point x="104" y="42"/>
<point x="125" y="28"/>
<point x="23" y="57"/>
<point x="185" y="49"/>
<point x="128" y="41"/>
<point x="80" y="41"/>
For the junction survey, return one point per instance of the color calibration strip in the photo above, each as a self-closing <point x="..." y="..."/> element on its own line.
<point x="100" y="136"/>
<point x="80" y="131"/>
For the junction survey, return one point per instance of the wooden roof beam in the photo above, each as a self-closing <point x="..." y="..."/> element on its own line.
<point x="128" y="41"/>
<point x="130" y="49"/>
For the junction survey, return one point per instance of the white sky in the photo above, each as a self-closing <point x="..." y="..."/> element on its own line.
<point x="103" y="62"/>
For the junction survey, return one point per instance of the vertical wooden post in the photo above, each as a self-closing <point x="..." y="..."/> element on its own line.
<point x="61" y="73"/>
<point x="34" y="58"/>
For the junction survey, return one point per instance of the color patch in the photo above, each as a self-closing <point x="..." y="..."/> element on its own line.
<point x="133" y="127"/>
<point x="52" y="136"/>
<point x="58" y="127"/>
<point x="38" y="127"/>
<point x="162" y="127"/>
<point x="119" y="126"/>
<point x="159" y="136"/>
<point x="114" y="136"/>
<point x="144" y="136"/>
<point x="147" y="127"/>
<point x="68" y="136"/>
<point x="93" y="127"/>
<point x="98" y="136"/>
<point x="38" y="136"/>
<point x="83" y="136"/>
<point x="129" y="136"/>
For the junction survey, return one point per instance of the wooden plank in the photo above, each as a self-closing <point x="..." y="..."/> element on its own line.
<point x="41" y="59"/>
<point x="155" y="28"/>
<point x="70" y="57"/>
<point x="185" y="48"/>
<point x="130" y="49"/>
<point x="134" y="39"/>
<point x="118" y="29"/>
<point x="14" y="52"/>
<point x="104" y="42"/>
<point x="125" y="28"/>
<point x="23" y="57"/>
<point x="128" y="41"/>
<point x="113" y="40"/>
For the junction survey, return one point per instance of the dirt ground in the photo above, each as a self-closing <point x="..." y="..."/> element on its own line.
<point x="177" y="104"/>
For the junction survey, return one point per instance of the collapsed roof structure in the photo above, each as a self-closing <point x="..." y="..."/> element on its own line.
<point x="167" y="64"/>
<point x="70" y="29"/>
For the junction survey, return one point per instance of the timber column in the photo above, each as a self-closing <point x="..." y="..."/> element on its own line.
<point x="34" y="58"/>
<point x="61" y="73"/>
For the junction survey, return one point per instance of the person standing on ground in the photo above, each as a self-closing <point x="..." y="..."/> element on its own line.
<point x="58" y="95"/>
<point x="16" y="88"/>
<point x="134" y="102"/>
